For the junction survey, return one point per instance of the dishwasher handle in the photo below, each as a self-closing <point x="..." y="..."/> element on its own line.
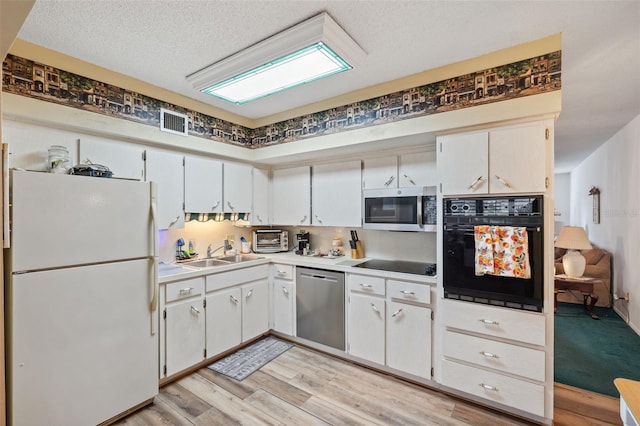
<point x="319" y="277"/>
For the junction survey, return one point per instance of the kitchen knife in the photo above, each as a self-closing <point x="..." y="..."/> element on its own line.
<point x="352" y="244"/>
<point x="355" y="233"/>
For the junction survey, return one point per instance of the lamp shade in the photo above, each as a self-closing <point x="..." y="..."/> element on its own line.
<point x="573" y="237"/>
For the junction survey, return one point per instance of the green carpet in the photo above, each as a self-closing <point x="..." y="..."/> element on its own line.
<point x="589" y="353"/>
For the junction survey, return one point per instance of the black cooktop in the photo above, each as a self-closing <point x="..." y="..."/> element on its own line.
<point x="418" y="268"/>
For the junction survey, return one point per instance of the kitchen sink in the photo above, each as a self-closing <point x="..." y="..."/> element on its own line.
<point x="221" y="261"/>
<point x="205" y="263"/>
<point x="240" y="258"/>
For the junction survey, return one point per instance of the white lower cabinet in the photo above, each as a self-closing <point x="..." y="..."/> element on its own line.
<point x="255" y="309"/>
<point x="409" y="338"/>
<point x="495" y="353"/>
<point x="237" y="307"/>
<point x="283" y="298"/>
<point x="366" y="317"/>
<point x="224" y="320"/>
<point x="389" y="323"/>
<point x="183" y="327"/>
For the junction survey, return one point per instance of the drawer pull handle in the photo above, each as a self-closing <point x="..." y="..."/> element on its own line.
<point x="282" y="272"/>
<point x="195" y="311"/>
<point x="365" y="285"/>
<point x="489" y="322"/>
<point x="489" y="354"/>
<point x="285" y="291"/>
<point x="408" y="293"/>
<point x="249" y="294"/>
<point x="396" y="313"/>
<point x="374" y="307"/>
<point x="234" y="300"/>
<point x="489" y="387"/>
<point x="186" y="290"/>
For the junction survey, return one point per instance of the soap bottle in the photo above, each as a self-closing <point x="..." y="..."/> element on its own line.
<point x="191" y="250"/>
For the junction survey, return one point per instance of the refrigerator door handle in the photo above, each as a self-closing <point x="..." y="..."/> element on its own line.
<point x="153" y="280"/>
<point x="6" y="239"/>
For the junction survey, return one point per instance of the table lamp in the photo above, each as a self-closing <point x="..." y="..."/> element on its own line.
<point x="574" y="239"/>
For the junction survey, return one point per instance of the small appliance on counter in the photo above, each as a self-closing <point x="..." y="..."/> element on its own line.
<point x="357" y="250"/>
<point x="302" y="243"/>
<point x="270" y="240"/>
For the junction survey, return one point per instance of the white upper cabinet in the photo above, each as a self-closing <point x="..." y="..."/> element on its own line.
<point x="463" y="162"/>
<point x="380" y="172"/>
<point x="166" y="169"/>
<point x="503" y="160"/>
<point x="517" y="158"/>
<point x="407" y="170"/>
<point x="124" y="159"/>
<point x="260" y="212"/>
<point x="237" y="188"/>
<point x="291" y="201"/>
<point x="417" y="169"/>
<point x="202" y="184"/>
<point x="337" y="197"/>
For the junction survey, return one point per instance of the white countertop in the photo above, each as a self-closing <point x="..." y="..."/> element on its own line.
<point x="175" y="272"/>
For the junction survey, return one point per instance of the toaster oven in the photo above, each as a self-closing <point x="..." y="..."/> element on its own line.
<point x="270" y="240"/>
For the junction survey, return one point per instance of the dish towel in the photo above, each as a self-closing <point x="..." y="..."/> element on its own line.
<point x="483" y="237"/>
<point x="502" y="251"/>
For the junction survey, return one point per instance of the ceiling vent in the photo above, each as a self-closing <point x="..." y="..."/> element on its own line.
<point x="174" y="122"/>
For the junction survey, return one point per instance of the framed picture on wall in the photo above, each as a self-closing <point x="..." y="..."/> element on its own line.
<point x="595" y="193"/>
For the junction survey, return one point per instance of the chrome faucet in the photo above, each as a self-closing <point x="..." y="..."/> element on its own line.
<point x="210" y="252"/>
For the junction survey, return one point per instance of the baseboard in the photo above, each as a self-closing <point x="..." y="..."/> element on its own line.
<point x="625" y="317"/>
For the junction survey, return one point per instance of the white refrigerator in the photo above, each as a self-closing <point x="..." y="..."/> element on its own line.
<point x="81" y="308"/>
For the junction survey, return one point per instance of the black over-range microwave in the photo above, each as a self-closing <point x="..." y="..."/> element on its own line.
<point x="400" y="209"/>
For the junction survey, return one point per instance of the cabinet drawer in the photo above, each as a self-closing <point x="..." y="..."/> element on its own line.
<point x="405" y="290"/>
<point x="499" y="322"/>
<point x="494" y="387"/>
<point x="366" y="284"/>
<point x="505" y="357"/>
<point x="283" y="272"/>
<point x="235" y="277"/>
<point x="184" y="289"/>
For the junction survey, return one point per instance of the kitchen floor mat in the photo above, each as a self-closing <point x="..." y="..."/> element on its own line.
<point x="242" y="363"/>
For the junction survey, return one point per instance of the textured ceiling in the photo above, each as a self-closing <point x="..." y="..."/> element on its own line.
<point x="161" y="42"/>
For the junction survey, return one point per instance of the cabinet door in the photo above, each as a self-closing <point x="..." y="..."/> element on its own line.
<point x="517" y="159"/>
<point x="381" y="172"/>
<point x="409" y="338"/>
<point x="283" y="299"/>
<point x="337" y="194"/>
<point x="260" y="213"/>
<point x="291" y="202"/>
<point x="417" y="169"/>
<point x="167" y="170"/>
<point x="255" y="309"/>
<point x="366" y="317"/>
<point x="184" y="335"/>
<point x="463" y="163"/>
<point x="202" y="185"/>
<point x="237" y="188"/>
<point x="125" y="160"/>
<point x="224" y="320"/>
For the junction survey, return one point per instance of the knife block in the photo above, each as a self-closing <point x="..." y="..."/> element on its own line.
<point x="358" y="252"/>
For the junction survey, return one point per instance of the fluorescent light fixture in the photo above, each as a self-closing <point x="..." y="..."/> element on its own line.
<point x="313" y="49"/>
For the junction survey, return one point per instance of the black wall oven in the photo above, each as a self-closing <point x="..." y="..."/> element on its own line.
<point x="460" y="281"/>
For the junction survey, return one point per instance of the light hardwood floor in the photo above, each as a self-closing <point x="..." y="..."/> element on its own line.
<point x="304" y="387"/>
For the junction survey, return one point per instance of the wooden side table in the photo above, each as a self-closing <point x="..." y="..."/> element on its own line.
<point x="629" y="400"/>
<point x="583" y="284"/>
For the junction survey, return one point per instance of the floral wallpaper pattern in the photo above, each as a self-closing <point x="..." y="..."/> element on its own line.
<point x="523" y="78"/>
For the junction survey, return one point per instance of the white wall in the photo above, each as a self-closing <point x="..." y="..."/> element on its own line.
<point x="562" y="201"/>
<point x="613" y="168"/>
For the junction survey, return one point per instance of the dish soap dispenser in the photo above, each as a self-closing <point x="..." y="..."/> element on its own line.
<point x="192" y="252"/>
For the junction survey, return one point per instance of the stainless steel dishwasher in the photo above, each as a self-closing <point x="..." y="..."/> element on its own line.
<point x="320" y="306"/>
